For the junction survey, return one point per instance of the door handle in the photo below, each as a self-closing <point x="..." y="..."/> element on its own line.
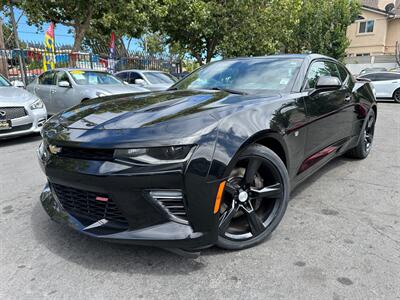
<point x="347" y="98"/>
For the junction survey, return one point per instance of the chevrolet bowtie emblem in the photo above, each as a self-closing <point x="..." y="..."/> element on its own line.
<point x="54" y="149"/>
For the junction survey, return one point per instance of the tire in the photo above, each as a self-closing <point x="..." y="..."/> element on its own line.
<point x="396" y="96"/>
<point x="254" y="200"/>
<point x="364" y="145"/>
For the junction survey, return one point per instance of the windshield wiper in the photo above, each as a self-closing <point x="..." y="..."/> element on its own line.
<point x="231" y="91"/>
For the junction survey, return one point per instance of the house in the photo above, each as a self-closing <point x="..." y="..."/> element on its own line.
<point x="377" y="29"/>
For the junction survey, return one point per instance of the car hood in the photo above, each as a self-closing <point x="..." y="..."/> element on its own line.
<point x="11" y="96"/>
<point x="145" y="110"/>
<point x="159" y="86"/>
<point x="114" y="89"/>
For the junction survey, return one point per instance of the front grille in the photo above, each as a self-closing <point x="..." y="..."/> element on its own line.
<point x="17" y="128"/>
<point x="87" y="153"/>
<point x="172" y="202"/>
<point x="84" y="206"/>
<point x="9" y="113"/>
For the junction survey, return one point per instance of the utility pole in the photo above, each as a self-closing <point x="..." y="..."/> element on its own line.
<point x="16" y="38"/>
<point x="3" y="53"/>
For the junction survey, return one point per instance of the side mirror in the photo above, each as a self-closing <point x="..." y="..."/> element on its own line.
<point x="18" y="83"/>
<point x="140" y="82"/>
<point x="328" y="83"/>
<point x="64" y="84"/>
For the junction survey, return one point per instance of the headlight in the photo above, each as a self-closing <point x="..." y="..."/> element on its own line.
<point x="156" y="155"/>
<point x="37" y="104"/>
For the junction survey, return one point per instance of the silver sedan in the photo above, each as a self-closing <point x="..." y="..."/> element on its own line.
<point x="152" y="80"/>
<point x="20" y="111"/>
<point x="63" y="88"/>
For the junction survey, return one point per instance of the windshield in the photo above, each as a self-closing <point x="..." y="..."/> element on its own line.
<point x="93" y="77"/>
<point x="4" y="82"/>
<point x="160" y="78"/>
<point x="247" y="75"/>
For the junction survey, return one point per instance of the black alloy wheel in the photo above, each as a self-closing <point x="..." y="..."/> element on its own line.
<point x="254" y="200"/>
<point x="396" y="95"/>
<point x="364" y="146"/>
<point x="369" y="133"/>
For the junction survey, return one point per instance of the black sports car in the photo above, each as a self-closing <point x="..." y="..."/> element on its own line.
<point x="211" y="161"/>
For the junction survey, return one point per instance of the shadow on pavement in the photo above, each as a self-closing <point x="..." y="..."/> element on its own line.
<point x="19" y="140"/>
<point x="98" y="255"/>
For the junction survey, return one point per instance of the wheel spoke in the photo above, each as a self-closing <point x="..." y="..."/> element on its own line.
<point x="272" y="191"/>
<point x="251" y="170"/>
<point x="256" y="225"/>
<point x="227" y="217"/>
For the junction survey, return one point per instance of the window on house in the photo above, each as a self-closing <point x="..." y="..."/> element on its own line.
<point x="366" y="26"/>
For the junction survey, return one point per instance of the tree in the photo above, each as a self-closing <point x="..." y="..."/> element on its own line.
<point x="322" y="27"/>
<point x="128" y="19"/>
<point x="77" y="14"/>
<point x="208" y="28"/>
<point x="261" y="28"/>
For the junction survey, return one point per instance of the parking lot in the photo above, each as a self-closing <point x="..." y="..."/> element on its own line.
<point x="340" y="239"/>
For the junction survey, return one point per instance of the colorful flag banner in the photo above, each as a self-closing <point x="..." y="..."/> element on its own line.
<point x="49" y="54"/>
<point x="111" y="56"/>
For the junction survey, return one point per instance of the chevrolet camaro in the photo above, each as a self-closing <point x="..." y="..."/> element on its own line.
<point x="212" y="160"/>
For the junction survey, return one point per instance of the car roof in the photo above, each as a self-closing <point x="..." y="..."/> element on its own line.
<point x="141" y="71"/>
<point x="287" y="56"/>
<point x="77" y="69"/>
<point x="381" y="72"/>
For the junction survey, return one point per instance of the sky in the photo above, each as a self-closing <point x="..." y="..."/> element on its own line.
<point x="33" y="34"/>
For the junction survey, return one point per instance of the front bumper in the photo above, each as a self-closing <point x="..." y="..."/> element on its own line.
<point x="31" y="123"/>
<point x="129" y="187"/>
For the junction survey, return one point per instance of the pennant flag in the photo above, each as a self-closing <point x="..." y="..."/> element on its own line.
<point x="49" y="54"/>
<point x="111" y="56"/>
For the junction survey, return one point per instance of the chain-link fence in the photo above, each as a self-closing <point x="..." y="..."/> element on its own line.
<point x="31" y="63"/>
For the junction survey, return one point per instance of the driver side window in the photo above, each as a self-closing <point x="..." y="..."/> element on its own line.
<point x="62" y="76"/>
<point x="133" y="77"/>
<point x="318" y="69"/>
<point x="47" y="78"/>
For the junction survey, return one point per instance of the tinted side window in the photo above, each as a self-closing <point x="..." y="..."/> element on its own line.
<point x="318" y="69"/>
<point x="123" y="76"/>
<point x="62" y="76"/>
<point x="387" y="76"/>
<point x="343" y="73"/>
<point x="47" y="78"/>
<point x="369" y="76"/>
<point x="134" y="76"/>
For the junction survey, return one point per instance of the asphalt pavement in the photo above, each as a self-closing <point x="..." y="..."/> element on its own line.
<point x="340" y="239"/>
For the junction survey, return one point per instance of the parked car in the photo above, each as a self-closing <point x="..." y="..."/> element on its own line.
<point x="211" y="161"/>
<point x="152" y="80"/>
<point x="63" y="88"/>
<point x="372" y="70"/>
<point x="386" y="84"/>
<point x="20" y="111"/>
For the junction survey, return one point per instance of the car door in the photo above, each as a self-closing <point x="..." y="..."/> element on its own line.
<point x="330" y="113"/>
<point x="43" y="88"/>
<point x="62" y="97"/>
<point x="385" y="84"/>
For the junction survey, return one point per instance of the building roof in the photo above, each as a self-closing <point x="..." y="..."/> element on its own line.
<point x="373" y="5"/>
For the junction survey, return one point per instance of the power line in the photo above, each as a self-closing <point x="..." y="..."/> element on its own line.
<point x="34" y="32"/>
